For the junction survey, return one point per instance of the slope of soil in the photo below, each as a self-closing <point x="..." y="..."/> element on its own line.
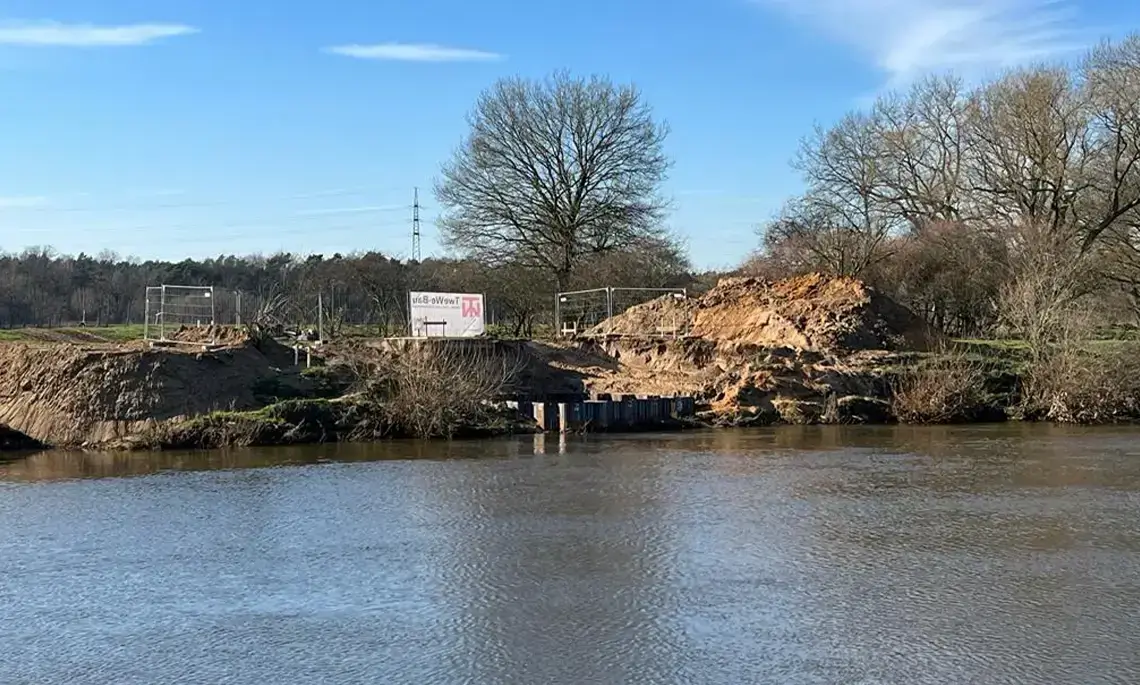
<point x="812" y="312"/>
<point x="666" y="315"/>
<point x="68" y="395"/>
<point x="228" y="335"/>
<point x="799" y="350"/>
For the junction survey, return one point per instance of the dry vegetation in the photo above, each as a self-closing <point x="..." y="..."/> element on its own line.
<point x="949" y="387"/>
<point x="1072" y="384"/>
<point x="439" y="390"/>
<point x="433" y="391"/>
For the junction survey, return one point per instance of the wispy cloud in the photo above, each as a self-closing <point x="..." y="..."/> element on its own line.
<point x="57" y="34"/>
<point x="22" y="202"/>
<point x="909" y="38"/>
<point x="414" y="52"/>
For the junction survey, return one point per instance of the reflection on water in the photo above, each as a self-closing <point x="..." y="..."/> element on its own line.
<point x="830" y="555"/>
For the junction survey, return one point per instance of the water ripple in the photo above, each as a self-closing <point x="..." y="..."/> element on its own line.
<point x="853" y="556"/>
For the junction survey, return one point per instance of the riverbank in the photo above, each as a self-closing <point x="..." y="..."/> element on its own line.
<point x="810" y="350"/>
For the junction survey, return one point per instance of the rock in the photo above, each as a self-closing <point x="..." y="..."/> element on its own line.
<point x="811" y="357"/>
<point x="799" y="412"/>
<point x="858" y="409"/>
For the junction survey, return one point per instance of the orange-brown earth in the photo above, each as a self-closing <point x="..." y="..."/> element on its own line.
<point x="804" y="349"/>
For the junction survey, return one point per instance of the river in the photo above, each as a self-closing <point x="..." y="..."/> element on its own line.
<point x="997" y="554"/>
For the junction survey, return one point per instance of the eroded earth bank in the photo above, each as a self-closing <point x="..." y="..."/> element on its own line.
<point x="805" y="350"/>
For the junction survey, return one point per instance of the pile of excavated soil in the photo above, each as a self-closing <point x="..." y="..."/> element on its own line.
<point x="67" y="395"/>
<point x="738" y="386"/>
<point x="812" y="312"/>
<point x="221" y="335"/>
<point x="667" y="315"/>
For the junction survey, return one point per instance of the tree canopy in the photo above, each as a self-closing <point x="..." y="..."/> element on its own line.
<point x="553" y="171"/>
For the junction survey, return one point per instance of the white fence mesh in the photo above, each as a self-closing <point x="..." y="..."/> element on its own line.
<point x="578" y="311"/>
<point x="171" y="307"/>
<point x="594" y="310"/>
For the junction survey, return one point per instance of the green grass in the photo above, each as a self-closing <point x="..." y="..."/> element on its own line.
<point x="1013" y="347"/>
<point x="118" y="333"/>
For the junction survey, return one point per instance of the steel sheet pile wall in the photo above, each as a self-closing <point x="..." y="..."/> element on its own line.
<point x="605" y="413"/>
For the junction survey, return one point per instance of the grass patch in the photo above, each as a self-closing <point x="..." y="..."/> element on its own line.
<point x="117" y="333"/>
<point x="284" y="423"/>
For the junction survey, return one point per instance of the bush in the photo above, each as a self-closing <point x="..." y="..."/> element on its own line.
<point x="440" y="390"/>
<point x="947" y="388"/>
<point x="1076" y="384"/>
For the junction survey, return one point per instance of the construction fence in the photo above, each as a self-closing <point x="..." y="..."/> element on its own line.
<point x="337" y="312"/>
<point x="593" y="312"/>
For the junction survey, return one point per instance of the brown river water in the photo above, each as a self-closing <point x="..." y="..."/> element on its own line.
<point x="997" y="554"/>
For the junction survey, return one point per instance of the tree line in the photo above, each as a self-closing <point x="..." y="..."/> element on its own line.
<point x="39" y="287"/>
<point x="999" y="206"/>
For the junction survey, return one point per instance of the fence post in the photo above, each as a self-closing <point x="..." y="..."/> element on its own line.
<point x="557" y="315"/>
<point x="237" y="313"/>
<point x="609" y="309"/>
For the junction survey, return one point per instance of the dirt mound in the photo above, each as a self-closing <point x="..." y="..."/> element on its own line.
<point x="220" y="335"/>
<point x="666" y="315"/>
<point x="67" y="395"/>
<point x="812" y="312"/>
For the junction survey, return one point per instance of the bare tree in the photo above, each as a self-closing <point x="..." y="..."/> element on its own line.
<point x="1030" y="136"/>
<point x="1112" y="89"/>
<point x="1040" y="300"/>
<point x="552" y="171"/>
<point x="843" y="220"/>
<point x="814" y="234"/>
<point x="921" y="152"/>
<point x="951" y="197"/>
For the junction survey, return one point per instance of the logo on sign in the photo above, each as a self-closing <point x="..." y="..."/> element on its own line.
<point x="471" y="307"/>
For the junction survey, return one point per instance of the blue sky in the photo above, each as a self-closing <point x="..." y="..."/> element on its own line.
<point x="202" y="127"/>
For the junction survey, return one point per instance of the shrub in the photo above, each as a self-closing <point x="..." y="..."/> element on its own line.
<point x="439" y="390"/>
<point x="949" y="387"/>
<point x="1076" y="384"/>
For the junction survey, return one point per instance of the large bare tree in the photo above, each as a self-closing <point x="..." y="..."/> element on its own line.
<point x="554" y="170"/>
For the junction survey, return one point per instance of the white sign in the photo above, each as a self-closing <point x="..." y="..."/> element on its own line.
<point x="447" y="315"/>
